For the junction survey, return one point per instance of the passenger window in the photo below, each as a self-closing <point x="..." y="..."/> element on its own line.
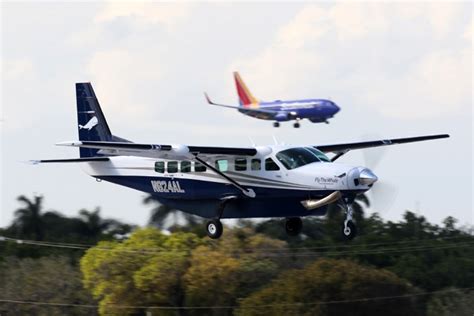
<point x="240" y="164"/>
<point x="172" y="166"/>
<point x="256" y="164"/>
<point x="160" y="166"/>
<point x="270" y="165"/>
<point x="199" y="167"/>
<point x="185" y="166"/>
<point x="222" y="165"/>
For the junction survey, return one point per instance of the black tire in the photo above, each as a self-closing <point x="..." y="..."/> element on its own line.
<point x="350" y="232"/>
<point x="214" y="228"/>
<point x="276" y="124"/>
<point x="297" y="125"/>
<point x="293" y="226"/>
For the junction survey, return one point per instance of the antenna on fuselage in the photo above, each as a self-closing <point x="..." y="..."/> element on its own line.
<point x="275" y="140"/>
<point x="251" y="141"/>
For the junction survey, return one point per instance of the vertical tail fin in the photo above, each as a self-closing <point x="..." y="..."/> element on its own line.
<point x="91" y="120"/>
<point x="245" y="96"/>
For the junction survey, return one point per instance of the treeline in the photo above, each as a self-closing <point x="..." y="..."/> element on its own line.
<point x="408" y="267"/>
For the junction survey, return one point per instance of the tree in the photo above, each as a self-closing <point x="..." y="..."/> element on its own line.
<point x="455" y="302"/>
<point x="48" y="279"/>
<point x="161" y="214"/>
<point x="28" y="219"/>
<point x="145" y="270"/>
<point x="305" y="291"/>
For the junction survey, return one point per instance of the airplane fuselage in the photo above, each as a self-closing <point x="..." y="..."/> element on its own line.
<point x="190" y="186"/>
<point x="316" y="110"/>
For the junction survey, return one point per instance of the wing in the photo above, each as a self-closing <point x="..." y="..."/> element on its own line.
<point x="158" y="150"/>
<point x="259" y="110"/>
<point x="341" y="149"/>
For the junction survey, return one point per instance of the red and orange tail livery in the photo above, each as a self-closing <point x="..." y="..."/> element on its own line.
<point x="246" y="99"/>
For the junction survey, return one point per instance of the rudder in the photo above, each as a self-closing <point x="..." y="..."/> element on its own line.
<point x="92" y="125"/>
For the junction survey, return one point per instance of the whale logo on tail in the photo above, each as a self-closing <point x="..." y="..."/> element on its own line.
<point x="91" y="124"/>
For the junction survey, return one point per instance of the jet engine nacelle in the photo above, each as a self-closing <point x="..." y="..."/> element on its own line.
<point x="282" y="116"/>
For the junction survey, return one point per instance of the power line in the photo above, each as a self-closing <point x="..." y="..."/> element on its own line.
<point x="363" y="299"/>
<point x="274" y="253"/>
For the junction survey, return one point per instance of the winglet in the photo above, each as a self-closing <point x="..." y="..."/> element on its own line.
<point x="207" y="98"/>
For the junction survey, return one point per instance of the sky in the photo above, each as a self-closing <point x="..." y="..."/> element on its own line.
<point x="396" y="69"/>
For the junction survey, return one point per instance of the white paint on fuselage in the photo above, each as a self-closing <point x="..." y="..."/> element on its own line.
<point x="313" y="176"/>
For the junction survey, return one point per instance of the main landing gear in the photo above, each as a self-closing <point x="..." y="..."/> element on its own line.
<point x="214" y="228"/>
<point x="296" y="124"/>
<point x="293" y="226"/>
<point x="276" y="124"/>
<point x="349" y="229"/>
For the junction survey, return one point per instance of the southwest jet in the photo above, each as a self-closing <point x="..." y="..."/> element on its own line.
<point x="315" y="110"/>
<point x="285" y="181"/>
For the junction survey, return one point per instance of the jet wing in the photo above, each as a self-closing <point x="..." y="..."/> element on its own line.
<point x="158" y="150"/>
<point x="340" y="149"/>
<point x="259" y="110"/>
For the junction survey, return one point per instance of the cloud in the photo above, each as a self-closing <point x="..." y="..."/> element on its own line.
<point x="374" y="53"/>
<point x="169" y="14"/>
<point x="116" y="74"/>
<point x="14" y="69"/>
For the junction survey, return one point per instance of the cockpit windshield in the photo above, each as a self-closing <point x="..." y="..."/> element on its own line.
<point x="297" y="157"/>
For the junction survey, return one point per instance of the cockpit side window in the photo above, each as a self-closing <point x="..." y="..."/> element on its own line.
<point x="319" y="154"/>
<point x="270" y="165"/>
<point x="297" y="157"/>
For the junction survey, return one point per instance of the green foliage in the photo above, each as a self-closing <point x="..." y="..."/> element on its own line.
<point x="456" y="302"/>
<point x="302" y="292"/>
<point x="144" y="270"/>
<point x="47" y="279"/>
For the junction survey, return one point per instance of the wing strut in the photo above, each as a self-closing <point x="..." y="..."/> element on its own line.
<point x="248" y="192"/>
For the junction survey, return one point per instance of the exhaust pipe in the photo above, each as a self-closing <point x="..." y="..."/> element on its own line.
<point x="313" y="204"/>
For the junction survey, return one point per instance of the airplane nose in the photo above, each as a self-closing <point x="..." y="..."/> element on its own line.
<point x="335" y="108"/>
<point x="367" y="177"/>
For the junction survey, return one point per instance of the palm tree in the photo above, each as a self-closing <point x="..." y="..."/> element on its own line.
<point x="28" y="220"/>
<point x="95" y="225"/>
<point x="160" y="213"/>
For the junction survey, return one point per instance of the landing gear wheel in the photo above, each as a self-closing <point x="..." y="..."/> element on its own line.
<point x="349" y="231"/>
<point x="293" y="226"/>
<point x="296" y="125"/>
<point x="276" y="124"/>
<point x="214" y="228"/>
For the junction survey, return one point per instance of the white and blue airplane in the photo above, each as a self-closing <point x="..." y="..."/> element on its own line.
<point x="225" y="182"/>
<point x="315" y="110"/>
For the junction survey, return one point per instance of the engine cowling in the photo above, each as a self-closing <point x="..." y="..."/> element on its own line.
<point x="282" y="116"/>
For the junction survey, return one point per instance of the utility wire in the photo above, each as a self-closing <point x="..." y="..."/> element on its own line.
<point x="275" y="253"/>
<point x="364" y="299"/>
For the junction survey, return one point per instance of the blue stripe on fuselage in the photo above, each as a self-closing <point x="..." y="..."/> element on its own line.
<point x="203" y="197"/>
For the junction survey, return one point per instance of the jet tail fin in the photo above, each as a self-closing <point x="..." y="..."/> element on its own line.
<point x="245" y="96"/>
<point x="92" y="125"/>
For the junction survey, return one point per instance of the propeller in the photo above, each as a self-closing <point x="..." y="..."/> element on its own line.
<point x="383" y="194"/>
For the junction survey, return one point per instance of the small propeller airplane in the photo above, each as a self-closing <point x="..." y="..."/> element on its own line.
<point x="225" y="182"/>
<point x="315" y="110"/>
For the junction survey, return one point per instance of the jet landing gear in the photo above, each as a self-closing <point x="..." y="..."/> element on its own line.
<point x="276" y="124"/>
<point x="349" y="229"/>
<point x="293" y="226"/>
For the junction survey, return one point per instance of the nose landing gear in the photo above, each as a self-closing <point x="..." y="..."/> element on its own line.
<point x="349" y="229"/>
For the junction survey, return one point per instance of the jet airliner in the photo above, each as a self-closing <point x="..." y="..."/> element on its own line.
<point x="315" y="110"/>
